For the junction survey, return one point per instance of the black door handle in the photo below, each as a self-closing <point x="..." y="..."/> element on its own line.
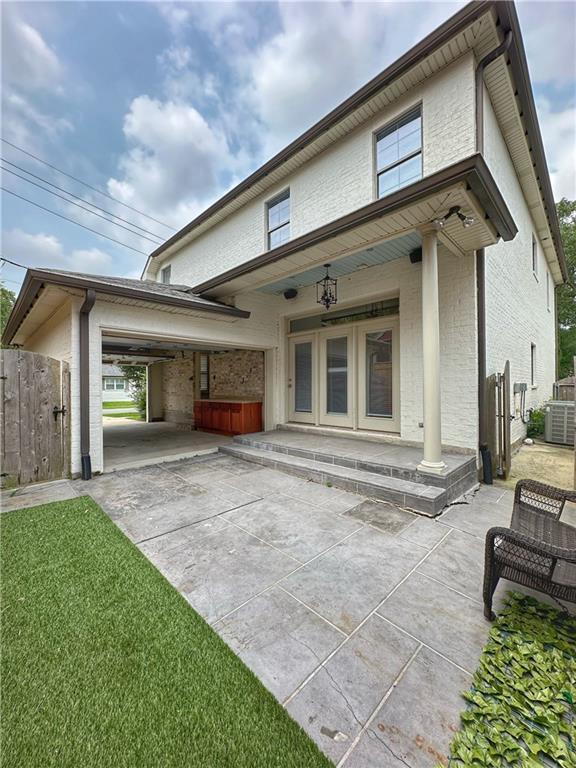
<point x="56" y="411"/>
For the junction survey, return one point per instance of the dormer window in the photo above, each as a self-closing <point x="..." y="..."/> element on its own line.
<point x="399" y="153"/>
<point x="278" y="220"/>
<point x="165" y="275"/>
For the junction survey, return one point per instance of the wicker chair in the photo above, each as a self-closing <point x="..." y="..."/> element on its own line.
<point x="537" y="550"/>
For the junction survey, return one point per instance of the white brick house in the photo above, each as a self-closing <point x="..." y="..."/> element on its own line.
<point x="426" y="191"/>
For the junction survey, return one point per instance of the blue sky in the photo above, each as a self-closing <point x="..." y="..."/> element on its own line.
<point x="166" y="105"/>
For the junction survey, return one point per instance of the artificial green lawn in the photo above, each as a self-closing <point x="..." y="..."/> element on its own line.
<point x="521" y="707"/>
<point x="105" y="664"/>
<point x="118" y="404"/>
<point x="128" y="415"/>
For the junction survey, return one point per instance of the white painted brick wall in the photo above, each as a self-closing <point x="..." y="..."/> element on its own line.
<point x="457" y="296"/>
<point x="516" y="304"/>
<point x="341" y="179"/>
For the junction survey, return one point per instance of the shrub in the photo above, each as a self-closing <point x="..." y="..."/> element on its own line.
<point x="536" y="423"/>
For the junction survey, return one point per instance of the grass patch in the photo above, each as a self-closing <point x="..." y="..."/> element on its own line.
<point x="129" y="415"/>
<point x="105" y="664"/>
<point x="118" y="404"/>
<point x="521" y="707"/>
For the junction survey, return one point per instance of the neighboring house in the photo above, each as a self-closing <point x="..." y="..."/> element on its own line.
<point x="427" y="192"/>
<point x="114" y="384"/>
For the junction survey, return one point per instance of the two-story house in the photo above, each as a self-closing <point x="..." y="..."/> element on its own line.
<point x="364" y="282"/>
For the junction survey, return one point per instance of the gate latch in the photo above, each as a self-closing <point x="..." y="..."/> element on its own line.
<point x="56" y="411"/>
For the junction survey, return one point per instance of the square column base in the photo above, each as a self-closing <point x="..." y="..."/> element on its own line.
<point x="435" y="467"/>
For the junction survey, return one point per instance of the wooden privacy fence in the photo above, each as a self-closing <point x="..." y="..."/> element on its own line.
<point x="35" y="418"/>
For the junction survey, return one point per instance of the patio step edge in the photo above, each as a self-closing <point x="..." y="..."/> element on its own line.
<point x="456" y="481"/>
<point x="426" y="500"/>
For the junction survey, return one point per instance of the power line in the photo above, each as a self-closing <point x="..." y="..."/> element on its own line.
<point x="76" y="197"/>
<point x="60" y="216"/>
<point x="71" y="202"/>
<point x="94" y="189"/>
<point x="14" y="263"/>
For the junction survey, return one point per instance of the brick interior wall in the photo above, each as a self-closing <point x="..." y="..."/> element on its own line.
<point x="238" y="373"/>
<point x="178" y="389"/>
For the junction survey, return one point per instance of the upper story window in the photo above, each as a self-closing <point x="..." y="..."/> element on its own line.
<point x="278" y="219"/>
<point x="399" y="153"/>
<point x="534" y="256"/>
<point x="548" y="290"/>
<point x="165" y="275"/>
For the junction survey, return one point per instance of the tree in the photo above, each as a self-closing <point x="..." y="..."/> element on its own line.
<point x="136" y="376"/>
<point x="566" y="294"/>
<point x="7" y="299"/>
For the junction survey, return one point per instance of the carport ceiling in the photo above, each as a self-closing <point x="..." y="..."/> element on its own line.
<point x="118" y="346"/>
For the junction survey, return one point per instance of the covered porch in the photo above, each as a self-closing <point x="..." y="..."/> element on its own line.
<point x="399" y="355"/>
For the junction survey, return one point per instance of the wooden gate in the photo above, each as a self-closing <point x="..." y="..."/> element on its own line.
<point x="35" y="418"/>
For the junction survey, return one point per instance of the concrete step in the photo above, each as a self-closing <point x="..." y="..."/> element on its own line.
<point x="427" y="500"/>
<point x="456" y="481"/>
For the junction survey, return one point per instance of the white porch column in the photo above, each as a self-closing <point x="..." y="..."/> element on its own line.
<point x="432" y="460"/>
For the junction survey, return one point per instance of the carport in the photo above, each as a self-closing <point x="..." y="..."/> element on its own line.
<point x="194" y="349"/>
<point x="182" y="376"/>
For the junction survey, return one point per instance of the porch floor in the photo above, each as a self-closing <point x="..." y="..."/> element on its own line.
<point x="358" y="450"/>
<point x="130" y="443"/>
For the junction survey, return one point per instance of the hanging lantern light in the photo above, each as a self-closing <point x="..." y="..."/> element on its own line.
<point x="327" y="290"/>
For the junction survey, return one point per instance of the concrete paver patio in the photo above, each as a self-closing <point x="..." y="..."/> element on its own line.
<point x="364" y="620"/>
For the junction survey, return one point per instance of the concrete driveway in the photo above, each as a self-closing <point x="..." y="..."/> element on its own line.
<point x="364" y="620"/>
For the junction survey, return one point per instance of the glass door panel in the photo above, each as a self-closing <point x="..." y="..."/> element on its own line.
<point x="337" y="375"/>
<point x="336" y="378"/>
<point x="378" y="361"/>
<point x="378" y="370"/>
<point x="302" y="380"/>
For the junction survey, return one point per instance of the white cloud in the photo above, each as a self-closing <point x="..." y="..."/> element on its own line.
<point x="559" y="135"/>
<point x="28" y="61"/>
<point x="41" y="250"/>
<point x="548" y="33"/>
<point x="173" y="166"/>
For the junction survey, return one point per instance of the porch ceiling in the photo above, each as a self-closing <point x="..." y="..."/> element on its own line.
<point x="368" y="257"/>
<point x="468" y="184"/>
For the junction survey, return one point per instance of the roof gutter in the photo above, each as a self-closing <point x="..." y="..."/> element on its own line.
<point x="36" y="279"/>
<point x="85" y="310"/>
<point x="480" y="254"/>
<point x="471" y="171"/>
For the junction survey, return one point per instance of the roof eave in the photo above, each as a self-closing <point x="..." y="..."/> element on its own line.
<point x="509" y="20"/>
<point x="473" y="171"/>
<point x="36" y="279"/>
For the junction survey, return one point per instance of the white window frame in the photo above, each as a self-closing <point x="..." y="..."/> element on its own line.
<point x="533" y="359"/>
<point x="280" y="197"/>
<point x="534" y="256"/>
<point x="166" y="272"/>
<point x="393" y="125"/>
<point x="548" y="303"/>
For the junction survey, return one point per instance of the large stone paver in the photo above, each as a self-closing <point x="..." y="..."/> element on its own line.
<point x="297" y="528"/>
<point x="349" y="581"/>
<point x="337" y="702"/>
<point x="447" y="621"/>
<point x="458" y="562"/>
<point x="228" y="568"/>
<point x="280" y="639"/>
<point x="416" y="724"/>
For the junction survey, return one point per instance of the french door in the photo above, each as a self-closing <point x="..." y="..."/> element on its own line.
<point x="302" y="379"/>
<point x="378" y="377"/>
<point x="347" y="377"/>
<point x="336" y="369"/>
